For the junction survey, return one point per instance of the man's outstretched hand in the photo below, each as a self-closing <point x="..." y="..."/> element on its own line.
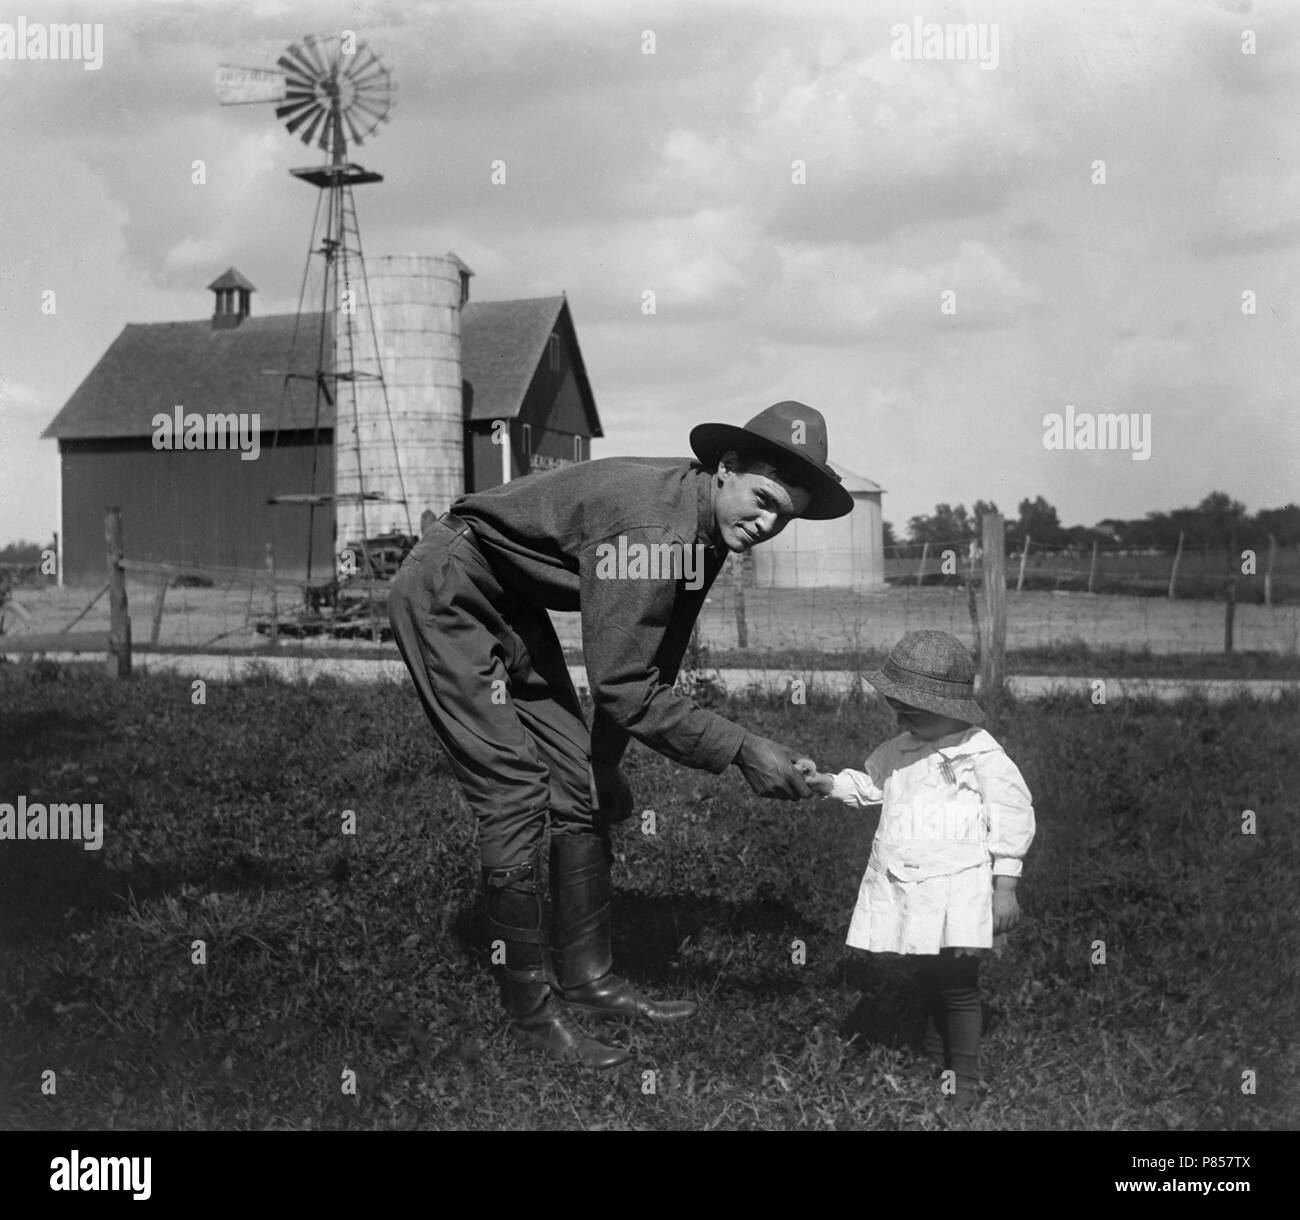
<point x="769" y="769"/>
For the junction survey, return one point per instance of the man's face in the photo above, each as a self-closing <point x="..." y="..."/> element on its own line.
<point x="751" y="507"/>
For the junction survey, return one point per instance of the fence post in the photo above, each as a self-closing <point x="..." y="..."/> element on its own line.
<point x="742" y="624"/>
<point x="1229" y="614"/>
<point x="1178" y="559"/>
<point x="275" y="601"/>
<point x="1024" y="555"/>
<point x="119" y="621"/>
<point x="1092" y="568"/>
<point x="156" y="627"/>
<point x="1268" y="571"/>
<point x="993" y="620"/>
<point x="920" y="572"/>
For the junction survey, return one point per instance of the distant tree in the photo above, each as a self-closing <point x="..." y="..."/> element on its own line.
<point x="1039" y="521"/>
<point x="1283" y="523"/>
<point x="1220" y="519"/>
<point x="948" y="524"/>
<point x="887" y="529"/>
<point x="1217" y="521"/>
<point x="23" y="552"/>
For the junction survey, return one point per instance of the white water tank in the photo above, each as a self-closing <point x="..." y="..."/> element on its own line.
<point x="413" y="447"/>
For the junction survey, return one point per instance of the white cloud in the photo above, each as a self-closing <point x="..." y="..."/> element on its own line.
<point x="840" y="294"/>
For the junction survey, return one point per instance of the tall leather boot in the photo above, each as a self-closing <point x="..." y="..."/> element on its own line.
<point x="580" y="894"/>
<point x="514" y="910"/>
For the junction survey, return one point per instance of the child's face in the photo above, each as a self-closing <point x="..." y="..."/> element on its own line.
<point x="928" y="726"/>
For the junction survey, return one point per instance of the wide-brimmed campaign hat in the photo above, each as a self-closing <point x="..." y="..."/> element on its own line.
<point x="931" y="670"/>
<point x="786" y="430"/>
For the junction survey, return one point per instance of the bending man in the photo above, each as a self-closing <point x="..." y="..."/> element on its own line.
<point x="635" y="544"/>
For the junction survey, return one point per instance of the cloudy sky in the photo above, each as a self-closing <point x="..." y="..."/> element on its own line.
<point x="674" y="172"/>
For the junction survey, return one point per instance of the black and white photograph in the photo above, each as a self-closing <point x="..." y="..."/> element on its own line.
<point x="680" y="566"/>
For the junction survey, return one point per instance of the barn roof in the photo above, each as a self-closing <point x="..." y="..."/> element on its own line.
<point x="150" y="367"/>
<point x="153" y="366"/>
<point x="502" y="343"/>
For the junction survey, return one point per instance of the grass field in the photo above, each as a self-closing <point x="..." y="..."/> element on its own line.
<point x="328" y="952"/>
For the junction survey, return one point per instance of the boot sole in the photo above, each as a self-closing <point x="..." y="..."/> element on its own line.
<point x="572" y="1055"/>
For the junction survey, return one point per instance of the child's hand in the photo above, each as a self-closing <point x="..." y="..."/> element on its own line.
<point x="816" y="780"/>
<point x="1006" y="910"/>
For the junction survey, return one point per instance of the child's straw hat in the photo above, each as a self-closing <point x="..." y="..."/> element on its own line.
<point x="931" y="670"/>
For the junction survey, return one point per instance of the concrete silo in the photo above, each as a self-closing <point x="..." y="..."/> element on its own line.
<point x="404" y="436"/>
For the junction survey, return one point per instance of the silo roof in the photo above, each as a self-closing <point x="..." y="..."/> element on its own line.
<point x="854" y="482"/>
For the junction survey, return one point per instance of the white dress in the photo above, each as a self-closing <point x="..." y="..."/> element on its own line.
<point x="956" y="813"/>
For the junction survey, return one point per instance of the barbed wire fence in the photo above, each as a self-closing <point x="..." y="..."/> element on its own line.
<point x="1103" y="597"/>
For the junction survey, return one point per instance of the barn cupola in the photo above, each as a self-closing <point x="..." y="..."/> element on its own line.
<point x="232" y="292"/>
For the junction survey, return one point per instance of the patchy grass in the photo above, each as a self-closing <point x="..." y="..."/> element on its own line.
<point x="328" y="952"/>
<point x="1073" y="658"/>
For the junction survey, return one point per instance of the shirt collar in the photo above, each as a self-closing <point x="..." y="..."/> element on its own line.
<point x="706" y="522"/>
<point x="912" y="743"/>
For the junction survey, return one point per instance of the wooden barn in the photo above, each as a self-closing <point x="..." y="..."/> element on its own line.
<point x="525" y="404"/>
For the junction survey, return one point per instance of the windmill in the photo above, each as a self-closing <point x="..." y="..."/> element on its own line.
<point x="333" y="92"/>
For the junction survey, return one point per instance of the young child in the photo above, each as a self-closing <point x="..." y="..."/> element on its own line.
<point x="957" y="819"/>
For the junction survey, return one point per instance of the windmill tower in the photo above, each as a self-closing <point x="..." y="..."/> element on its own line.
<point x="394" y="326"/>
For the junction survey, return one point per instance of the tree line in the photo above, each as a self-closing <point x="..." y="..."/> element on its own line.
<point x="1217" y="521"/>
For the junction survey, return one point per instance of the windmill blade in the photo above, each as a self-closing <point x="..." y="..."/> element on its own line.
<point x="297" y="97"/>
<point x="371" y="72"/>
<point x="353" y="134"/>
<point x="380" y="80"/>
<point x="294" y="58"/>
<point x="295" y="108"/>
<point x="300" y="88"/>
<point x="358" y="66"/>
<point x="322" y="60"/>
<point x="374" y="105"/>
<point x="372" y="98"/>
<point x="311" y="112"/>
<point x="370" y="114"/>
<point x="291" y="109"/>
<point x="365" y="126"/>
<point x="307" y="136"/>
<point x="295" y="82"/>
